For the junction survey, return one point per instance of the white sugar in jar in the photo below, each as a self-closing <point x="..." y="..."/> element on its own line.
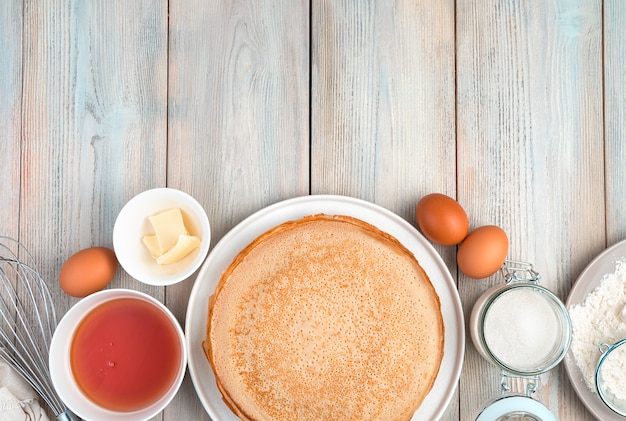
<point x="521" y="327"/>
<point x="525" y="330"/>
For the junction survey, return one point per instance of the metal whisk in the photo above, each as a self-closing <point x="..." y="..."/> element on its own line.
<point x="27" y="322"/>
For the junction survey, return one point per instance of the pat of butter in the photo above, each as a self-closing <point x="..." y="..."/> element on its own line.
<point x="171" y="241"/>
<point x="184" y="246"/>
<point x="168" y="225"/>
<point x="152" y="244"/>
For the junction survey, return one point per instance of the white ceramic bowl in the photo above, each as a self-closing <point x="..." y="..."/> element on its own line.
<point x="61" y="370"/>
<point x="132" y="224"/>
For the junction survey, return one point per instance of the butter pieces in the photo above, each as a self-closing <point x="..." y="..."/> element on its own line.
<point x="184" y="245"/>
<point x="171" y="241"/>
<point x="168" y="225"/>
<point x="152" y="244"/>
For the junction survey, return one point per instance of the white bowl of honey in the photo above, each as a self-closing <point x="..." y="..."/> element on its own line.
<point x="118" y="354"/>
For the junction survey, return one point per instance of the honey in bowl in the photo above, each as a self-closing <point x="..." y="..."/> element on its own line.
<point x="125" y="354"/>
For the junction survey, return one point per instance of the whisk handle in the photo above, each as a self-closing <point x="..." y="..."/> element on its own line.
<point x="67" y="415"/>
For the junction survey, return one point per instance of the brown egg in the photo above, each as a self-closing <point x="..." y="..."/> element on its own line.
<point x="88" y="271"/>
<point x="483" y="252"/>
<point x="441" y="219"/>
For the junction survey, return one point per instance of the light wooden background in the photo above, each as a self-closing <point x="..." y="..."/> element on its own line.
<point x="514" y="107"/>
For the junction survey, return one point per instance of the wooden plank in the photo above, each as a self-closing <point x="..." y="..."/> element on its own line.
<point x="238" y="137"/>
<point x="94" y="124"/>
<point x="530" y="153"/>
<point x="10" y="114"/>
<point x="10" y="140"/>
<point x="94" y="121"/>
<point x="383" y="101"/>
<point x="382" y="104"/>
<point x="615" y="118"/>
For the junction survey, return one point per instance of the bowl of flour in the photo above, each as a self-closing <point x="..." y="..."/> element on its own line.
<point x="597" y="308"/>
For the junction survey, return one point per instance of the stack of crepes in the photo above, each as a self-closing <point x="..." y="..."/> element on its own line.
<point x="325" y="317"/>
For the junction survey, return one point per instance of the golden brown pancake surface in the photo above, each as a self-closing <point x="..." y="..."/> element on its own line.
<point x="324" y="318"/>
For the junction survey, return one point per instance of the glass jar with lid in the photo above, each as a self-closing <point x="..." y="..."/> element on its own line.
<point x="524" y="329"/>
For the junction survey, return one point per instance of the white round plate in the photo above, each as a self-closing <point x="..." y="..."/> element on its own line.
<point x="589" y="279"/>
<point x="245" y="232"/>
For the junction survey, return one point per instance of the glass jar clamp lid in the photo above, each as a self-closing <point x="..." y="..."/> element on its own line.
<point x="525" y="330"/>
<point x="609" y="376"/>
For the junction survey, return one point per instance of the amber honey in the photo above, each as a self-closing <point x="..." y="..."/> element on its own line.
<point x="125" y="354"/>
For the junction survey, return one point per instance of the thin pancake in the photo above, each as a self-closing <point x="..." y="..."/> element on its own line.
<point x="326" y="317"/>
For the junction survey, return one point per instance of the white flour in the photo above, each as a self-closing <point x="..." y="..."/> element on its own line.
<point x="601" y="318"/>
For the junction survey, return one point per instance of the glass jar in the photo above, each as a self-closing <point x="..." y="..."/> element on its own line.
<point x="609" y="375"/>
<point x="525" y="330"/>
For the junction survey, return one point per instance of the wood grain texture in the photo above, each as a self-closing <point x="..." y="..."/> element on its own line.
<point x="530" y="153"/>
<point x="381" y="114"/>
<point x="382" y="104"/>
<point x="94" y="124"/>
<point x="10" y="136"/>
<point x="10" y="114"/>
<point x="515" y="108"/>
<point x="238" y="104"/>
<point x="615" y="118"/>
<point x="238" y="136"/>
